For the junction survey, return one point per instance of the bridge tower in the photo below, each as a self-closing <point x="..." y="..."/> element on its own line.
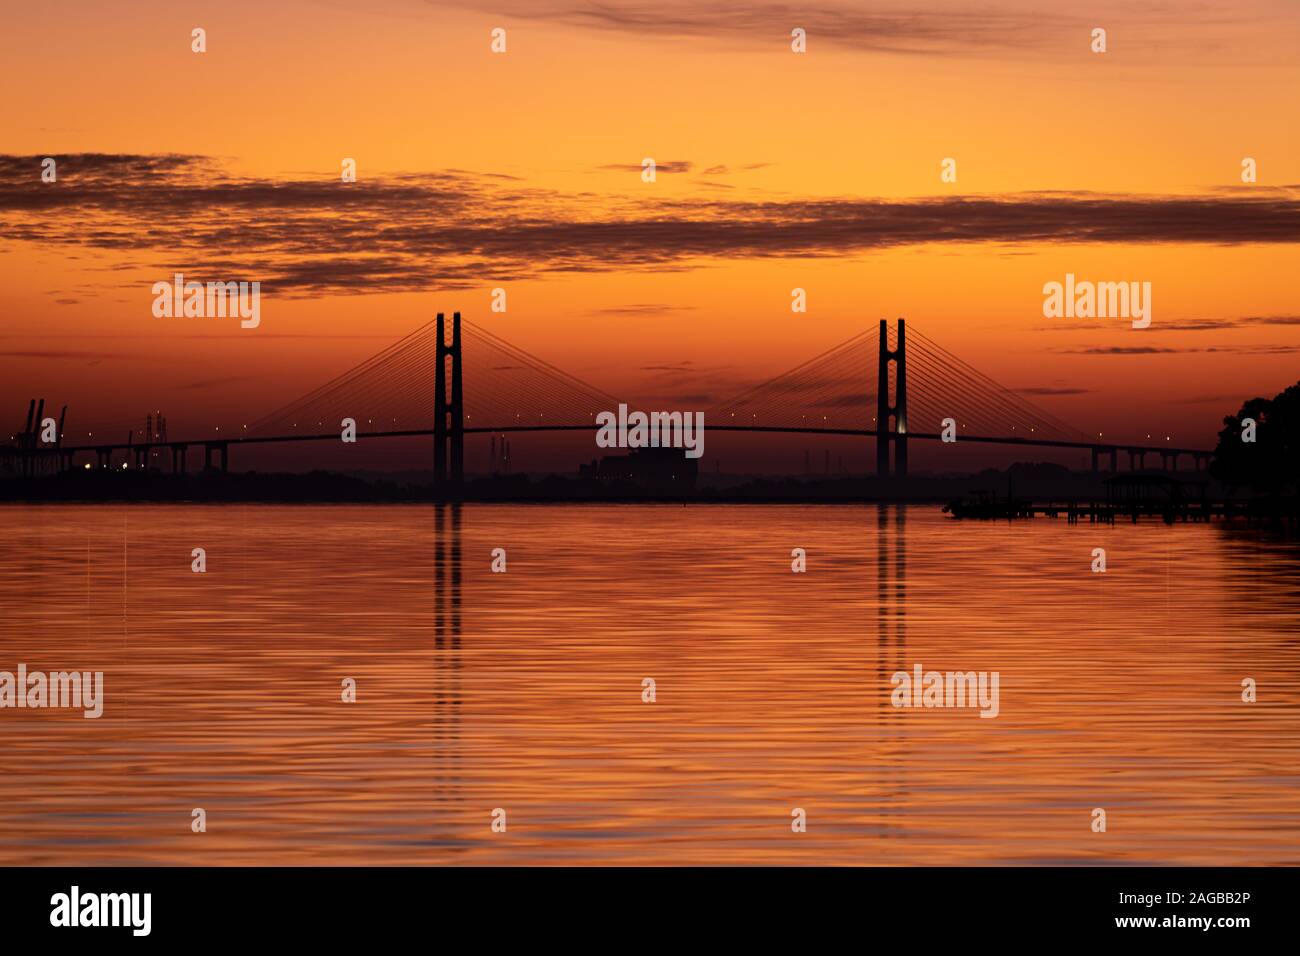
<point x="445" y="432"/>
<point x="897" y="433"/>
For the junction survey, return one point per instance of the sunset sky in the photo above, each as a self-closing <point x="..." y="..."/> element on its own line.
<point x="776" y="170"/>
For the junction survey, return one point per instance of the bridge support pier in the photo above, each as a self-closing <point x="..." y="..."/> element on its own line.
<point x="1110" y="451"/>
<point x="448" y="432"/>
<point x="179" y="454"/>
<point x="897" y="434"/>
<point x="221" y="448"/>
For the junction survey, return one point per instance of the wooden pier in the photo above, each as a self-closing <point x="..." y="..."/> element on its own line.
<point x="1130" y="497"/>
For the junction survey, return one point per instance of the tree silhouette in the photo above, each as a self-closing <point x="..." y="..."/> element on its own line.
<point x="1271" y="463"/>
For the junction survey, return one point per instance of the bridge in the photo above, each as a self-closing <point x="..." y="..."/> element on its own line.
<point x="482" y="384"/>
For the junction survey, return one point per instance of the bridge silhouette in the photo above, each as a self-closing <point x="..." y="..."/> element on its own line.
<point x="446" y="386"/>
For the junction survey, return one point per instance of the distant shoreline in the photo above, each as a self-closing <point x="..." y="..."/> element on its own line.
<point x="332" y="488"/>
<point x="1035" y="481"/>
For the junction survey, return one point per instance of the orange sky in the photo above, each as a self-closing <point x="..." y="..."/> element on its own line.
<point x="553" y="131"/>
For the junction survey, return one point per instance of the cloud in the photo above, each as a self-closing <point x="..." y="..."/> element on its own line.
<point x="897" y="30"/>
<point x="724" y="170"/>
<point x="1160" y="350"/>
<point x="945" y="28"/>
<point x="640" y="308"/>
<point x="686" y="366"/>
<point x="1212" y="325"/>
<point x="1052" y="390"/>
<point x="452" y="230"/>
<point x="668" y="166"/>
<point x="1125" y="350"/>
<point x="1185" y="324"/>
<point x="1272" y="320"/>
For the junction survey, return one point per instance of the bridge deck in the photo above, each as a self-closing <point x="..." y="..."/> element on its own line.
<point x="1104" y="447"/>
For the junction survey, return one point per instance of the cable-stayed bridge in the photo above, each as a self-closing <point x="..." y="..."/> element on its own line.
<point x="444" y="380"/>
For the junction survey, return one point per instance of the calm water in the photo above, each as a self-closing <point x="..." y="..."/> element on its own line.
<point x="523" y="690"/>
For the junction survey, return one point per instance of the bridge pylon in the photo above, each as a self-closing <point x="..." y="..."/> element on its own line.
<point x="897" y="410"/>
<point x="448" y="413"/>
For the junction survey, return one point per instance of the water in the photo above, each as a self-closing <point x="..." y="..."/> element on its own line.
<point x="523" y="690"/>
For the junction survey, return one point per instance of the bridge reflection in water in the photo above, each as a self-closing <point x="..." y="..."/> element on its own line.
<point x="523" y="690"/>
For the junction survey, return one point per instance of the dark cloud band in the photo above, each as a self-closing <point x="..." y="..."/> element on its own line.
<point x="458" y="229"/>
